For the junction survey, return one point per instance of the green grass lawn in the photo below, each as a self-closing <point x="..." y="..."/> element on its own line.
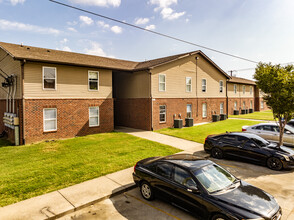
<point x="200" y="132"/>
<point x="264" y="115"/>
<point x="31" y="170"/>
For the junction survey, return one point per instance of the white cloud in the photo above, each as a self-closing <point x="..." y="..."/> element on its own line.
<point x="100" y="3"/>
<point x="187" y="20"/>
<point x="116" y="29"/>
<point x="66" y="48"/>
<point x="139" y="21"/>
<point x="86" y="20"/>
<point x="72" y="23"/>
<point x="95" y="50"/>
<point x="64" y="41"/>
<point x="72" y="29"/>
<point x="168" y="13"/>
<point x="15" y="2"/>
<point x="11" y="25"/>
<point x="163" y="3"/>
<point x="150" y="27"/>
<point x="103" y="24"/>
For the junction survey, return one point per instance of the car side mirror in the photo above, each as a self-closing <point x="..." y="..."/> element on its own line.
<point x="193" y="189"/>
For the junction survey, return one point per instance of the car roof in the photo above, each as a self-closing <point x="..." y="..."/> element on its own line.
<point x="189" y="161"/>
<point x="269" y="123"/>
<point x="248" y="135"/>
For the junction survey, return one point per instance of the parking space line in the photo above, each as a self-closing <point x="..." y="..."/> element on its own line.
<point x="158" y="209"/>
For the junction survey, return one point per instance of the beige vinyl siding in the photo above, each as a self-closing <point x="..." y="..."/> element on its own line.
<point x="133" y="85"/>
<point x="72" y="82"/>
<point x="10" y="66"/>
<point x="239" y="94"/>
<point x="176" y="73"/>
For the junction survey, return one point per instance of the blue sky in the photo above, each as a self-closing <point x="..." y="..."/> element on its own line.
<point x="260" y="30"/>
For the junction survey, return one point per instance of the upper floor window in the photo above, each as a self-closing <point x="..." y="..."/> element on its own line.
<point x="93" y="77"/>
<point x="93" y="116"/>
<point x="251" y="90"/>
<point x="162" y="113"/>
<point x="50" y="119"/>
<point x="203" y="85"/>
<point x="49" y="78"/>
<point x="235" y="88"/>
<point x="244" y="89"/>
<point x="221" y="86"/>
<point x="204" y="110"/>
<point x="162" y="86"/>
<point x="188" y="84"/>
<point x="189" y="110"/>
<point x="221" y="108"/>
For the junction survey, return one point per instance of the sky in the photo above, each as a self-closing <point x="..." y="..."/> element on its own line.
<point x="259" y="30"/>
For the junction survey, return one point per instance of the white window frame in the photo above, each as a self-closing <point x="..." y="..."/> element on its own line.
<point x="96" y="116"/>
<point x="187" y="84"/>
<point x="251" y="104"/>
<point x="235" y="88"/>
<point x="221" y="87"/>
<point x="55" y="86"/>
<point x="251" y="90"/>
<point x="163" y="114"/>
<point x="235" y="105"/>
<point x="204" y="113"/>
<point x="162" y="82"/>
<point x="91" y="90"/>
<point x="244" y="89"/>
<point x="50" y="119"/>
<point x="204" y="85"/>
<point x="221" y="108"/>
<point x="190" y="111"/>
<point x="244" y="105"/>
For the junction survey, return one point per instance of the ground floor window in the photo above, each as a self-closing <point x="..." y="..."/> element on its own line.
<point x="189" y="110"/>
<point x="162" y="113"/>
<point x="221" y="108"/>
<point x="50" y="119"/>
<point x="204" y="110"/>
<point x="261" y="104"/>
<point x="251" y="104"/>
<point x="93" y="116"/>
<point x="235" y="105"/>
<point x="244" y="105"/>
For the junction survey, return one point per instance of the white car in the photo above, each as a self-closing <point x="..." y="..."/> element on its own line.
<point x="271" y="132"/>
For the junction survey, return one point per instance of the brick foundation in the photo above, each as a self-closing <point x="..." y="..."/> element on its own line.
<point x="72" y="118"/>
<point x="134" y="113"/>
<point x="240" y="104"/>
<point x="179" y="106"/>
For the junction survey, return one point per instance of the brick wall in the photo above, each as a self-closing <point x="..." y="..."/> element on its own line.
<point x="240" y="104"/>
<point x="179" y="106"/>
<point x="134" y="113"/>
<point x="258" y="105"/>
<point x="72" y="118"/>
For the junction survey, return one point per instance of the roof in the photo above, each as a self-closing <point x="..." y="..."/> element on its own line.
<point x="241" y="80"/>
<point x="22" y="52"/>
<point x="187" y="160"/>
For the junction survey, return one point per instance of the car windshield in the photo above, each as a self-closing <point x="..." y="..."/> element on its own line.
<point x="260" y="141"/>
<point x="213" y="178"/>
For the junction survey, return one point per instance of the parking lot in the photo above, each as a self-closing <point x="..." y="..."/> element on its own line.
<point x="131" y="205"/>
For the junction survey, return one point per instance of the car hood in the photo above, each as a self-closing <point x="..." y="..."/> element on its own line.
<point x="248" y="198"/>
<point x="282" y="149"/>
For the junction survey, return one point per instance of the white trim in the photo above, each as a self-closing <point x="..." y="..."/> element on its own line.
<point x="221" y="86"/>
<point x="205" y="85"/>
<point x="162" y="113"/>
<point x="235" y="105"/>
<point x="93" y="90"/>
<point x="204" y="116"/>
<point x="161" y="82"/>
<point x="51" y="119"/>
<point x="188" y="77"/>
<point x="43" y="67"/>
<point x="96" y="116"/>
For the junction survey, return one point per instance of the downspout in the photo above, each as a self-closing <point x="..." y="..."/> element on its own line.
<point x="227" y="98"/>
<point x="9" y="99"/>
<point x="22" y="109"/>
<point x="150" y="90"/>
<point x="14" y="91"/>
<point x="196" y="58"/>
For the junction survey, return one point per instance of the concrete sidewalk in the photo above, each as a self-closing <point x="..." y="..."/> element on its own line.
<point x="61" y="202"/>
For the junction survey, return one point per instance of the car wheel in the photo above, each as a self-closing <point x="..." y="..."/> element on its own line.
<point x="217" y="153"/>
<point x="274" y="163"/>
<point x="146" y="191"/>
<point x="219" y="217"/>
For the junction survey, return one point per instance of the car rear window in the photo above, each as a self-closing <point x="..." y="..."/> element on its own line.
<point x="164" y="170"/>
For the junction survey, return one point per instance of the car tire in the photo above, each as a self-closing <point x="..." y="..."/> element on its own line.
<point x="146" y="191"/>
<point x="274" y="163"/>
<point x="219" y="217"/>
<point x="217" y="153"/>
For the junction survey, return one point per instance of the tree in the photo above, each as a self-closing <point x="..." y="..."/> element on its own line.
<point x="277" y="84"/>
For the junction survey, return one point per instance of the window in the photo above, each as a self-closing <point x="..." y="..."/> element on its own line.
<point x="188" y="84"/>
<point x="221" y="86"/>
<point x="261" y="104"/>
<point x="189" y="110"/>
<point x="235" y="105"/>
<point x="235" y="88"/>
<point x="251" y="104"/>
<point x="183" y="177"/>
<point x="162" y="113"/>
<point x="203" y="85"/>
<point x="251" y="90"/>
<point x="93" y="116"/>
<point x="93" y="77"/>
<point x="49" y="78"/>
<point x="221" y="111"/>
<point x="244" y="105"/>
<point x="161" y="82"/>
<point x="50" y="119"/>
<point x="164" y="170"/>
<point x="204" y="110"/>
<point x="244" y="89"/>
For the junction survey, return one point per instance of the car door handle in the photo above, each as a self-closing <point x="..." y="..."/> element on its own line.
<point x="189" y="190"/>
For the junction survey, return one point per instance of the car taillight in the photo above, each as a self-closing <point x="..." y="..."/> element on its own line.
<point x="205" y="138"/>
<point x="244" y="129"/>
<point x="135" y="167"/>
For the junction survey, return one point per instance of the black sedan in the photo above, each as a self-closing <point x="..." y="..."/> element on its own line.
<point x="203" y="188"/>
<point x="251" y="148"/>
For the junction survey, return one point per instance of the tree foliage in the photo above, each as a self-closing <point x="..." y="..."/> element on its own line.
<point x="277" y="84"/>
